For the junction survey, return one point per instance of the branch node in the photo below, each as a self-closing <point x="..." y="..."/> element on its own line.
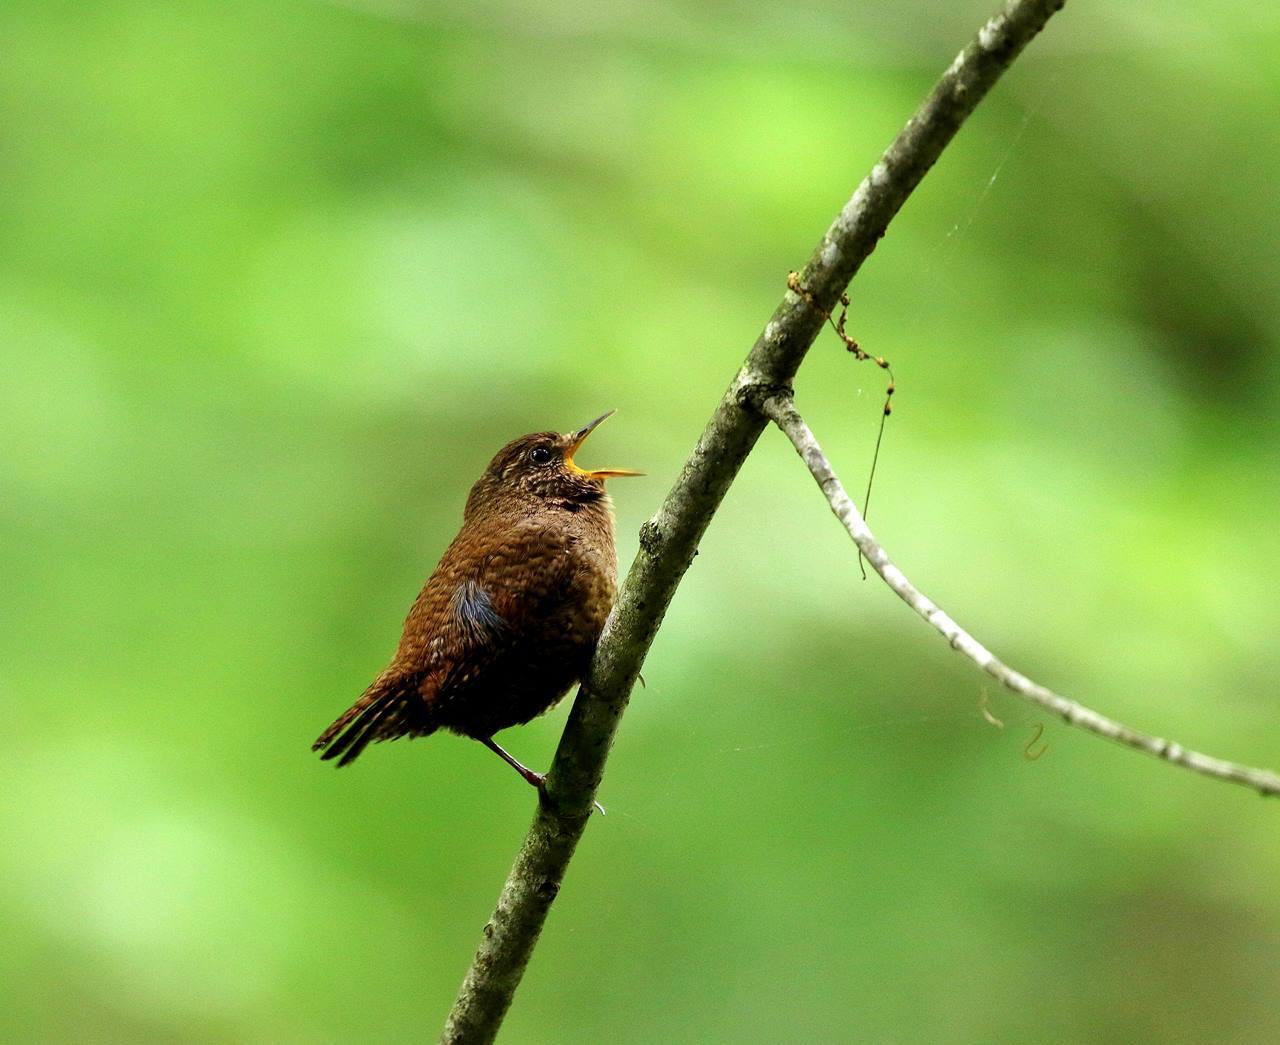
<point x="758" y="395"/>
<point x="650" y="537"/>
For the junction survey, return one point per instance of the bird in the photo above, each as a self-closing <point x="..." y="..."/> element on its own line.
<point x="510" y="617"/>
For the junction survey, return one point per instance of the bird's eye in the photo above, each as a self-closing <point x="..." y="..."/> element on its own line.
<point x="540" y="455"/>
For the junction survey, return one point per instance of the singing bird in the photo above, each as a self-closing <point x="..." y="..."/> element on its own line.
<point x="509" y="620"/>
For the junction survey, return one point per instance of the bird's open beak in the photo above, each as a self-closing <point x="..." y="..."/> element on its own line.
<point x="580" y="437"/>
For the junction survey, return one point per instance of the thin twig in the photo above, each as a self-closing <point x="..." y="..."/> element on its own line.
<point x="669" y="541"/>
<point x="780" y="409"/>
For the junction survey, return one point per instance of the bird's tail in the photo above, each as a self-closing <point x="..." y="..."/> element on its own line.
<point x="391" y="707"/>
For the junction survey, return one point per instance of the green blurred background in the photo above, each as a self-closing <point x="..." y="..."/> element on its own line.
<point x="276" y="279"/>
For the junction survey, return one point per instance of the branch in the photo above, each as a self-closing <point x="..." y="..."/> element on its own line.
<point x="669" y="541"/>
<point x="779" y="409"/>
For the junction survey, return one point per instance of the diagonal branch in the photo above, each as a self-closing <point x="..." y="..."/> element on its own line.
<point x="669" y="540"/>
<point x="779" y="409"/>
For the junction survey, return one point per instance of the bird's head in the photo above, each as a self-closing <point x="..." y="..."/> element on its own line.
<point x="541" y="466"/>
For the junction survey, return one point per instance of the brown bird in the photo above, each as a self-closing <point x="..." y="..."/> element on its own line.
<point x="509" y="620"/>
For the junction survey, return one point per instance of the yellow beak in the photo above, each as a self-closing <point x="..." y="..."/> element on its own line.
<point x="580" y="437"/>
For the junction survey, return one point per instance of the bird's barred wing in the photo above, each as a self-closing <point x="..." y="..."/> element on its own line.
<point x="476" y="607"/>
<point x="471" y="610"/>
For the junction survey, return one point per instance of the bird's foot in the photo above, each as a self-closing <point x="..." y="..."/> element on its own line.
<point x="542" y="792"/>
<point x="538" y="780"/>
<point x="534" y="779"/>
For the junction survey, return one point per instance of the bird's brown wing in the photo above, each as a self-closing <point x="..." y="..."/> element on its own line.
<point x="478" y="607"/>
<point x="468" y="613"/>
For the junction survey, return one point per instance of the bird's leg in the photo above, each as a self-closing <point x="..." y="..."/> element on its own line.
<point x="536" y="779"/>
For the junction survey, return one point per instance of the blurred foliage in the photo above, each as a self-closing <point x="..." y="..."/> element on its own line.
<point x="277" y="278"/>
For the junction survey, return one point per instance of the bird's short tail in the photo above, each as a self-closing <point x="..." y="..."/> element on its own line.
<point x="391" y="707"/>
